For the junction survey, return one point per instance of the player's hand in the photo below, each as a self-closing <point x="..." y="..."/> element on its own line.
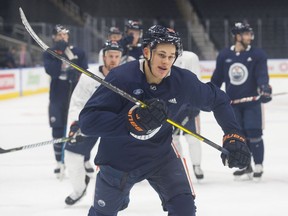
<point x="265" y="92"/>
<point x="128" y="39"/>
<point x="143" y="120"/>
<point x="75" y="133"/>
<point x="240" y="155"/>
<point x="60" y="46"/>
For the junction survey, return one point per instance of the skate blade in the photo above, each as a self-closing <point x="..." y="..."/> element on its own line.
<point x="257" y="179"/>
<point x="200" y="181"/>
<point x="244" y="177"/>
<point x="61" y="175"/>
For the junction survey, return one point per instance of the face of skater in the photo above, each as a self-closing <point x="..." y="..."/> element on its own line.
<point x="61" y="36"/>
<point x="161" y="60"/>
<point x="111" y="59"/>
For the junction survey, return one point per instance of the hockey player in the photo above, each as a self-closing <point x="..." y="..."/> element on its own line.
<point x="131" y="42"/>
<point x="80" y="146"/>
<point x="63" y="81"/>
<point x="136" y="141"/>
<point x="189" y="117"/>
<point x="244" y="71"/>
<point x="114" y="34"/>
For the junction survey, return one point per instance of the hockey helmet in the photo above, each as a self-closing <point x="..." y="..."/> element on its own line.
<point x="135" y="25"/>
<point x="158" y="34"/>
<point x="112" y="45"/>
<point x="240" y="28"/>
<point x="59" y="28"/>
<point x="114" y="30"/>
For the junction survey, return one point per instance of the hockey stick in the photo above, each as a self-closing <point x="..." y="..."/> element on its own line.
<point x="246" y="99"/>
<point x="254" y="98"/>
<point x="108" y="85"/>
<point x="183" y="123"/>
<point x="279" y="93"/>
<point x="54" y="141"/>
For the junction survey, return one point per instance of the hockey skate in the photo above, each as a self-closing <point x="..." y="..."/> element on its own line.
<point x="88" y="168"/>
<point x="198" y="172"/>
<point x="258" y="171"/>
<point x="74" y="197"/>
<point x="60" y="171"/>
<point x="244" y="174"/>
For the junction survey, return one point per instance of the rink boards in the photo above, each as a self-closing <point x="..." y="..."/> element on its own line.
<point x="27" y="81"/>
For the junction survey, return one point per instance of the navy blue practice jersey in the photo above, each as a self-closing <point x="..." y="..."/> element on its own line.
<point x="242" y="72"/>
<point x="105" y="113"/>
<point x="63" y="81"/>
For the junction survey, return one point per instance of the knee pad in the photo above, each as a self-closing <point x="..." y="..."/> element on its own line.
<point x="73" y="160"/>
<point x="175" y="206"/>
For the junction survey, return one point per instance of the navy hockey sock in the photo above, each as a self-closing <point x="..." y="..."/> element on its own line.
<point x="58" y="132"/>
<point x="257" y="149"/>
<point x="58" y="151"/>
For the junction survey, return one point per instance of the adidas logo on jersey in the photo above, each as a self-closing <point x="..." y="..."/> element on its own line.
<point x="173" y="100"/>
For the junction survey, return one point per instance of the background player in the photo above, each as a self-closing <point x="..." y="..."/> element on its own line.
<point x="63" y="81"/>
<point x="131" y="42"/>
<point x="80" y="146"/>
<point x="189" y="117"/>
<point x="244" y="71"/>
<point x="114" y="34"/>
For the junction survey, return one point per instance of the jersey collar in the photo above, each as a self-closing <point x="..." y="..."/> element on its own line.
<point x="232" y="48"/>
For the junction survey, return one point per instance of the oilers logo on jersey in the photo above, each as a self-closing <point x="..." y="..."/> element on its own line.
<point x="238" y="73"/>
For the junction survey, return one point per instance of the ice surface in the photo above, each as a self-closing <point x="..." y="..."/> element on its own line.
<point x="28" y="186"/>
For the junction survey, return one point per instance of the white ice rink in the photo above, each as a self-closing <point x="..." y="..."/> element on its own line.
<point x="28" y="186"/>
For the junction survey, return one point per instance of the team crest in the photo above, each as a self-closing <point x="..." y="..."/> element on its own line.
<point x="138" y="91"/>
<point x="238" y="73"/>
<point x="52" y="119"/>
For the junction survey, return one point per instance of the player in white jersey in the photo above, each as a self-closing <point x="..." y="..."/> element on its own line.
<point x="81" y="145"/>
<point x="190" y="61"/>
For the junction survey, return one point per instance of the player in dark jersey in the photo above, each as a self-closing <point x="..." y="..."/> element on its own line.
<point x="243" y="69"/>
<point x="131" y="41"/>
<point x="63" y="81"/>
<point x="136" y="141"/>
